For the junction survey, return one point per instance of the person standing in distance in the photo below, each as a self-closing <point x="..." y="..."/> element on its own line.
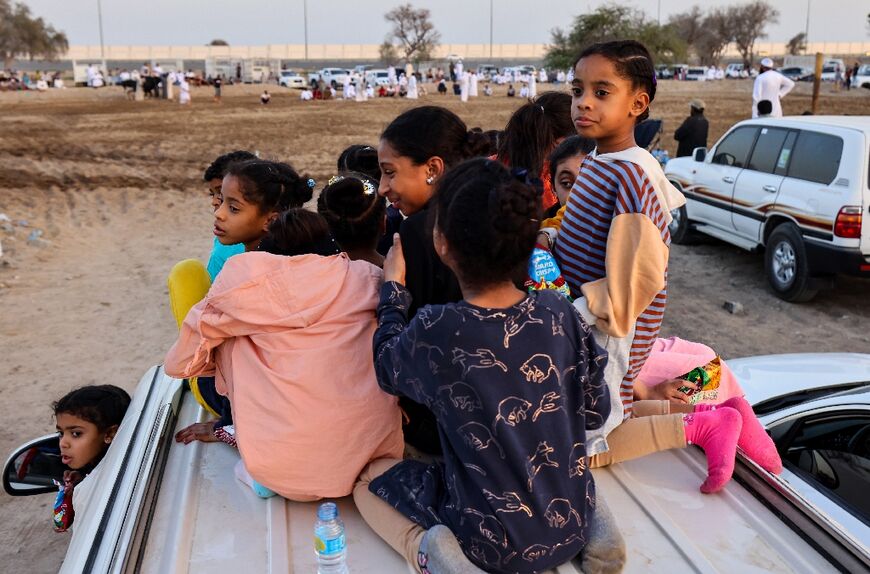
<point x="692" y="132"/>
<point x="770" y="85"/>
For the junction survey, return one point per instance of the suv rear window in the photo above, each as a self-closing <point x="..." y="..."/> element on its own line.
<point x="816" y="157"/>
<point x="735" y="147"/>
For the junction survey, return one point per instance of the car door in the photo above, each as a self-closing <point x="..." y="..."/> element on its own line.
<point x="809" y="193"/>
<point x="713" y="184"/>
<point x="757" y="186"/>
<point x="826" y="459"/>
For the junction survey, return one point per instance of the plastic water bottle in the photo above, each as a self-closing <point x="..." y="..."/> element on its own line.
<point x="329" y="542"/>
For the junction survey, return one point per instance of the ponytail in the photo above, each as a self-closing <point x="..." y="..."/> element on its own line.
<point x="272" y="185"/>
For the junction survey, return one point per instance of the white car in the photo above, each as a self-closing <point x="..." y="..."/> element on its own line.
<point x="378" y="77"/>
<point x="153" y="505"/>
<point x="332" y="76"/>
<point x="696" y="74"/>
<point x="734" y="70"/>
<point x="862" y="79"/>
<point x="291" y="79"/>
<point x="796" y="187"/>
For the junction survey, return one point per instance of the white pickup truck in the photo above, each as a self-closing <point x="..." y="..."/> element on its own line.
<point x="156" y="506"/>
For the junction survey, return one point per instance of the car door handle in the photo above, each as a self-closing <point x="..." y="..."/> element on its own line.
<point x="728" y="179"/>
<point x="769" y="188"/>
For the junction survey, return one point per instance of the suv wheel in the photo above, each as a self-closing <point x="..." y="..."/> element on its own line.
<point x="681" y="233"/>
<point x="785" y="263"/>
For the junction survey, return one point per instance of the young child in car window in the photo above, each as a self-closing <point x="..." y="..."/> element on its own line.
<point x="87" y="421"/>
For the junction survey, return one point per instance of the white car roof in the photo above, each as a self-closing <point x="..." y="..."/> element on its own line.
<point x="769" y="376"/>
<point x="859" y="123"/>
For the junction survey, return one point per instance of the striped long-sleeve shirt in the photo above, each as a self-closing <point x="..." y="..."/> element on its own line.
<point x="613" y="248"/>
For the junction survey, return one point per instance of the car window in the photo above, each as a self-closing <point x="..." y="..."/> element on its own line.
<point x="833" y="452"/>
<point x="766" y="154"/>
<point x="782" y="160"/>
<point x="816" y="157"/>
<point x="735" y="147"/>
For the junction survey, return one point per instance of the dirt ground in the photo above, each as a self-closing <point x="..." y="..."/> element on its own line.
<point x="114" y="187"/>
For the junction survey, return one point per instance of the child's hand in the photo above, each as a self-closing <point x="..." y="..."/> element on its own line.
<point x="666" y="391"/>
<point x="394" y="264"/>
<point x="203" y="432"/>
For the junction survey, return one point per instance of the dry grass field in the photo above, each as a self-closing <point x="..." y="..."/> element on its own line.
<point x="115" y="188"/>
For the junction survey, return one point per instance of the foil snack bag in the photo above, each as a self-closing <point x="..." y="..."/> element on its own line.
<point x="707" y="378"/>
<point x="544" y="273"/>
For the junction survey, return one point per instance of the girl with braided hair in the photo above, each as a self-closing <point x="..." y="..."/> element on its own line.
<point x="356" y="215"/>
<point x="514" y="380"/>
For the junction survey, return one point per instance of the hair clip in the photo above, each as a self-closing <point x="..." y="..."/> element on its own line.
<point x="655" y="80"/>
<point x="368" y="187"/>
<point x="335" y="179"/>
<point x="311" y="183"/>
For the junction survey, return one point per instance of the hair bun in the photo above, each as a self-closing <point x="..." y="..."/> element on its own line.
<point x="515" y="207"/>
<point x="476" y="144"/>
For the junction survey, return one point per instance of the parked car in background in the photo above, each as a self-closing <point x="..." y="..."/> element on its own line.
<point x="333" y="76"/>
<point x="291" y="79"/>
<point x="696" y="74"/>
<point x="378" y="77"/>
<point x="862" y="79"/>
<point x="796" y="187"/>
<point x="734" y="70"/>
<point x="488" y="70"/>
<point x="664" y="72"/>
<point x="797" y="73"/>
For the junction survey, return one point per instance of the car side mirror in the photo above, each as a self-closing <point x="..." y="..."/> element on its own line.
<point x="33" y="466"/>
<point x="699" y="153"/>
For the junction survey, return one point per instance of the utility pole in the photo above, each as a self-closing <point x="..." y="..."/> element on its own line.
<point x="102" y="49"/>
<point x="807" y="29"/>
<point x="305" y="19"/>
<point x="660" y="13"/>
<point x="490" y="29"/>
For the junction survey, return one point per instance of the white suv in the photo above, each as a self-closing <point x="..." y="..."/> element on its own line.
<point x="795" y="186"/>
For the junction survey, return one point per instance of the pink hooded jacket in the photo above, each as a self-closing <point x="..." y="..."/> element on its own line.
<point x="289" y="340"/>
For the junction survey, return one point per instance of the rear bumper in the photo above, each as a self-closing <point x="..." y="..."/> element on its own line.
<point x="830" y="259"/>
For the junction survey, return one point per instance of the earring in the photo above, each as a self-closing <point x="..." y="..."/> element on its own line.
<point x="430" y="179"/>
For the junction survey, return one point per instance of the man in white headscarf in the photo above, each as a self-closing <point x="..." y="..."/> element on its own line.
<point x="770" y="85"/>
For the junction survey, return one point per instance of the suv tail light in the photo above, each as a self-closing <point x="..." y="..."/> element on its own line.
<point x="848" y="223"/>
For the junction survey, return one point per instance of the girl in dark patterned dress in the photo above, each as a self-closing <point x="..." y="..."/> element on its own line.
<point x="514" y="380"/>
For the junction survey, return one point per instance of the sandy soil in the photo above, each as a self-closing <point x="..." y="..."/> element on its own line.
<point x="114" y="187"/>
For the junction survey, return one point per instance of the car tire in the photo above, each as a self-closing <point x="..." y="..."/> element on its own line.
<point x="786" y="265"/>
<point x="680" y="228"/>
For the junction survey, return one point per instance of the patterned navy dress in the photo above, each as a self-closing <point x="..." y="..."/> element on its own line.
<point x="513" y="391"/>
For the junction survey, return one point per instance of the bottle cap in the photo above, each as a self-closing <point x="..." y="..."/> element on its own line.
<point x="327" y="511"/>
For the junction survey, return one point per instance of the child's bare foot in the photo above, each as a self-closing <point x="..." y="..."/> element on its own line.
<point x="203" y="432"/>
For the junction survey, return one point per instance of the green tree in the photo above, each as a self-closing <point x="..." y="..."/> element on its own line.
<point x="797" y="44"/>
<point x="613" y="22"/>
<point x="717" y="35"/>
<point x="748" y="22"/>
<point x="22" y="34"/>
<point x="218" y="42"/>
<point x="414" y="32"/>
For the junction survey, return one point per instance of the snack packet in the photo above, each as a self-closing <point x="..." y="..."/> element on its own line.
<point x="544" y="273"/>
<point x="63" y="509"/>
<point x="707" y="378"/>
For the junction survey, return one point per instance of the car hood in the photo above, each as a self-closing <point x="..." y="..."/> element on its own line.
<point x="769" y="376"/>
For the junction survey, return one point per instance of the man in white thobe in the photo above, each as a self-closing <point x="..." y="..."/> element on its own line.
<point x="472" y="86"/>
<point x="463" y="87"/>
<point x="533" y="86"/>
<point x="770" y="85"/>
<point x="412" y="87"/>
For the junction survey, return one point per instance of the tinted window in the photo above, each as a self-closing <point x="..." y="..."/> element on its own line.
<point x="785" y="154"/>
<point x="735" y="147"/>
<point x="834" y="453"/>
<point x="765" y="155"/>
<point x="816" y="157"/>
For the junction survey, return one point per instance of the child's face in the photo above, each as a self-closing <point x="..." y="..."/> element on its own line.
<point x="236" y="220"/>
<point x="566" y="173"/>
<point x="214" y="192"/>
<point x="403" y="183"/>
<point x="81" y="442"/>
<point x="605" y="105"/>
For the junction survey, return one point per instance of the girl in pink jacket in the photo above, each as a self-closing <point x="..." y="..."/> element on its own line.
<point x="287" y="334"/>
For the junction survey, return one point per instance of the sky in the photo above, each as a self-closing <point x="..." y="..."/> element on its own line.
<point x="260" y="22"/>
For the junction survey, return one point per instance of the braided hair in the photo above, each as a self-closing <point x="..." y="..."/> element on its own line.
<point x="428" y="131"/>
<point x="632" y="61"/>
<point x="272" y="185"/>
<point x="490" y="218"/>
<point x="218" y="168"/>
<point x="355" y="212"/>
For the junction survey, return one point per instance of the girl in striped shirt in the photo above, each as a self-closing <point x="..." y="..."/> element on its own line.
<point x="613" y="247"/>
